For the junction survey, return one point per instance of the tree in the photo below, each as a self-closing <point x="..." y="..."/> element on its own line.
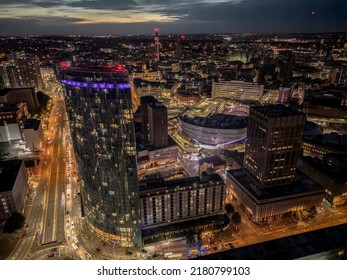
<point x="288" y="216"/>
<point x="313" y="211"/>
<point x="190" y="239"/>
<point x="14" y="222"/>
<point x="229" y="209"/>
<point x="199" y="236"/>
<point x="236" y="218"/>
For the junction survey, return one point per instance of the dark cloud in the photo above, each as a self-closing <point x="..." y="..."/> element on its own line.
<point x="105" y="4"/>
<point x="48" y="3"/>
<point x="199" y="16"/>
<point x="39" y="26"/>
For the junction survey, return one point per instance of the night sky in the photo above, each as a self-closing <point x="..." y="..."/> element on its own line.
<point x="63" y="17"/>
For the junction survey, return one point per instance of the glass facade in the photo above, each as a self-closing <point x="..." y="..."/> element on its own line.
<point x="98" y="102"/>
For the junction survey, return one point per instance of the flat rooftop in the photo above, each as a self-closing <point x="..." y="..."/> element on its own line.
<point x="276" y="110"/>
<point x="32" y="124"/>
<point x="158" y="183"/>
<point x="302" y="186"/>
<point x="4" y="91"/>
<point x="10" y="106"/>
<point x="8" y="174"/>
<point x="337" y="177"/>
<point x="91" y="68"/>
<point x="151" y="101"/>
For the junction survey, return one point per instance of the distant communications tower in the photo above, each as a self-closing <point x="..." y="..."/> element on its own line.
<point x="156" y="42"/>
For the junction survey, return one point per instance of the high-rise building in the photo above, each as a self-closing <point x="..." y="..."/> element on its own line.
<point x="30" y="73"/>
<point x="184" y="53"/>
<point x="267" y="187"/>
<point x="12" y="77"/>
<point x="99" y="107"/>
<point x="286" y="68"/>
<point x="154" y="122"/>
<point x="273" y="143"/>
<point x="17" y="55"/>
<point x="157" y="43"/>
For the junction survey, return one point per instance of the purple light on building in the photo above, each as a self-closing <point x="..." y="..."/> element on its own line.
<point x="95" y="85"/>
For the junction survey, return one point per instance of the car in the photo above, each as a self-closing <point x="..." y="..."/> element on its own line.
<point x="72" y="225"/>
<point x="23" y="236"/>
<point x="50" y="255"/>
<point x="67" y="213"/>
<point x="67" y="223"/>
<point x="98" y="250"/>
<point x="128" y="253"/>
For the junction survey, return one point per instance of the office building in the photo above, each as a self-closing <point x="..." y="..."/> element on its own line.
<point x="27" y="95"/>
<point x="98" y="101"/>
<point x="286" y="65"/>
<point x="184" y="53"/>
<point x="273" y="143"/>
<point x="30" y="72"/>
<point x="33" y="134"/>
<point x="237" y="90"/>
<point x="268" y="185"/>
<point x="12" y="77"/>
<point x="330" y="173"/>
<point x="13" y="187"/>
<point x="13" y="110"/>
<point x="154" y="122"/>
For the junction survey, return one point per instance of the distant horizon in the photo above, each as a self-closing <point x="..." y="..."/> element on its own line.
<point x="139" y="17"/>
<point x="169" y="34"/>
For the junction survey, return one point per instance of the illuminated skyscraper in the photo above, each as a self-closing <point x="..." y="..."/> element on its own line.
<point x="99" y="107"/>
<point x="30" y="72"/>
<point x="157" y="43"/>
<point x="273" y="144"/>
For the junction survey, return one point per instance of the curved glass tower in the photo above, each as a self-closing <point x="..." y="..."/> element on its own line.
<point x="98" y="102"/>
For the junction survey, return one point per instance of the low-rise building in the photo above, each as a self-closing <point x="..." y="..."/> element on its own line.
<point x="33" y="134"/>
<point x="330" y="173"/>
<point x="267" y="204"/>
<point x="13" y="187"/>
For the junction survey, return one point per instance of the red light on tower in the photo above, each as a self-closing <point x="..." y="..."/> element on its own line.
<point x="63" y="64"/>
<point x="156" y="29"/>
<point x="182" y="37"/>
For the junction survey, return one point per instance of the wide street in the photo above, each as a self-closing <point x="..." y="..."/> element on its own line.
<point x="45" y="214"/>
<point x="54" y="203"/>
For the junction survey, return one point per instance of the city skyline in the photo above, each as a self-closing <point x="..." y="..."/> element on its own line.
<point x="173" y="147"/>
<point x="60" y="17"/>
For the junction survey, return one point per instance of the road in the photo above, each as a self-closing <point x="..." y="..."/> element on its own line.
<point x="54" y="203"/>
